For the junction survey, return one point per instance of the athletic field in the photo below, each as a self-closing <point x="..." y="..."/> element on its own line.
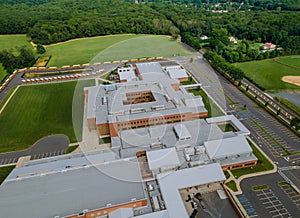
<point x="268" y="73"/>
<point x="41" y="110"/>
<point x="111" y="48"/>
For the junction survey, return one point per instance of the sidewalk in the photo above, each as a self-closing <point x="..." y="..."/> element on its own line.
<point x="90" y="139"/>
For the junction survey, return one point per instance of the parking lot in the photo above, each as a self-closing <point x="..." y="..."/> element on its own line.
<point x="272" y="204"/>
<point x="291" y="193"/>
<point x="46" y="147"/>
<point x="247" y="206"/>
<point x="274" y="201"/>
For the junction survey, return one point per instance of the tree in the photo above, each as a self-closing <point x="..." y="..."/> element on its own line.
<point x="40" y="49"/>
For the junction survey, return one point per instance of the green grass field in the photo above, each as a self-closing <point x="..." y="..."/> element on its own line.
<point x="212" y="109"/>
<point x="12" y="41"/>
<point x="110" y="48"/>
<point x="41" y="110"/>
<point x="268" y="73"/>
<point x="4" y="172"/>
<point x="293" y="61"/>
<point x="2" y="73"/>
<point x="232" y="185"/>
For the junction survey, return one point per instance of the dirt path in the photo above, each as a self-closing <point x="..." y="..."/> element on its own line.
<point x="295" y="80"/>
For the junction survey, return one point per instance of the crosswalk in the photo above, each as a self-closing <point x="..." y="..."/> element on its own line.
<point x="6" y="161"/>
<point x="48" y="154"/>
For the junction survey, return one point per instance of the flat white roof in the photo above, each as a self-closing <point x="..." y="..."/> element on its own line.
<point x="72" y="190"/>
<point x="227" y="147"/>
<point x="162" y="158"/>
<point x="181" y="131"/>
<point x="196" y="101"/>
<point x="127" y="75"/>
<point x="171" y="182"/>
<point x="158" y="214"/>
<point x="121" y="213"/>
<point x="177" y="73"/>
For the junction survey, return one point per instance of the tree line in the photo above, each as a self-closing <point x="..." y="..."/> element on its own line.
<point x="280" y="28"/>
<point x="233" y="5"/>
<point x="51" y="21"/>
<point x="61" y="20"/>
<point x="11" y="61"/>
<point x="220" y="64"/>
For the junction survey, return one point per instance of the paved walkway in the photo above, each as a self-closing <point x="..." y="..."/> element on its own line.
<point x="12" y="94"/>
<point x="90" y="139"/>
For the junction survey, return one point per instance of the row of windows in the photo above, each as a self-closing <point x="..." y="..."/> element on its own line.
<point x="128" y="94"/>
<point x="147" y="123"/>
<point x="152" y="120"/>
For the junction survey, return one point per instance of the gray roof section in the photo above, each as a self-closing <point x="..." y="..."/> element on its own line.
<point x="199" y="130"/>
<point x="122" y="213"/>
<point x="159" y="214"/>
<point x="227" y="147"/>
<point x="59" y="163"/>
<point x="177" y="73"/>
<point x="71" y="191"/>
<point x="182" y="132"/>
<point x="105" y="102"/>
<point x="162" y="158"/>
<point x="170" y="183"/>
<point x="150" y="71"/>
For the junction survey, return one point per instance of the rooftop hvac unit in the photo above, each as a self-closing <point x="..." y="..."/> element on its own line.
<point x="137" y="110"/>
<point x="158" y="107"/>
<point x="155" y="145"/>
<point x="160" y="86"/>
<point x="104" y="100"/>
<point x="199" y="149"/>
<point x="120" y="112"/>
<point x="167" y="97"/>
<point x="175" y="101"/>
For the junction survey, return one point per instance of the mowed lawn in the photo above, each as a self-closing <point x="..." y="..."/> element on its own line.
<point x="38" y="111"/>
<point x="293" y="61"/>
<point x="12" y="41"/>
<point x="268" y="73"/>
<point x="113" y="47"/>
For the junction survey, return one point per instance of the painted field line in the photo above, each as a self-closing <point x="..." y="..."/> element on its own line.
<point x="12" y="94"/>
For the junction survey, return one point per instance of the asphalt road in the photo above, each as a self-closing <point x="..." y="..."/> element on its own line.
<point x="45" y="147"/>
<point x="17" y="80"/>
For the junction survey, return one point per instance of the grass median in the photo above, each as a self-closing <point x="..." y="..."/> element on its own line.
<point x="263" y="164"/>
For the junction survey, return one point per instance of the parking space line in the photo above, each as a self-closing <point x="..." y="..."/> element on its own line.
<point x="274" y="206"/>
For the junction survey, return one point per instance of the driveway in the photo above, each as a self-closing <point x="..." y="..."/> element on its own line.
<point x="45" y="147"/>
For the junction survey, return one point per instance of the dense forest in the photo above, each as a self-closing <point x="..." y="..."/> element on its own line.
<point x="235" y="5"/>
<point x="279" y="27"/>
<point x="50" y="21"/>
